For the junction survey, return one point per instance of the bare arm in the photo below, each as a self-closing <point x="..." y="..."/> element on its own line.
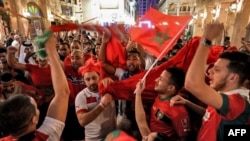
<point x="12" y="62"/>
<point x="246" y="45"/>
<point x="180" y="100"/>
<point x="140" y="115"/>
<point x="195" y="78"/>
<point x="59" y="105"/>
<point x="102" y="55"/>
<point x="87" y="117"/>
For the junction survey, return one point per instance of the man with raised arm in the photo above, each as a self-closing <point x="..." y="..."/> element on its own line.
<point x="226" y="99"/>
<point x="19" y="114"/>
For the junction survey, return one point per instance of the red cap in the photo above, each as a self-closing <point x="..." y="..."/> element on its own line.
<point x="90" y="66"/>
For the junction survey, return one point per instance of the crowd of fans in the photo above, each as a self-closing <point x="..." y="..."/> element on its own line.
<point x="58" y="98"/>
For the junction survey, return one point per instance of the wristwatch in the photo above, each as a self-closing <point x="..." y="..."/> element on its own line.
<point x="206" y="42"/>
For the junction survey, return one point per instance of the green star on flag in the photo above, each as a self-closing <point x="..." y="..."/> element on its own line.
<point x="161" y="37"/>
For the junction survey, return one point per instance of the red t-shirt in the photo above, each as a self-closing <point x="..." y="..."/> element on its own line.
<point x="41" y="76"/>
<point x="172" y="121"/>
<point x="75" y="82"/>
<point x="233" y="108"/>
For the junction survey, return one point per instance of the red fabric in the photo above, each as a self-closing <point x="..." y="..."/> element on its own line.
<point x="64" y="27"/>
<point x="212" y="120"/>
<point x="232" y="48"/>
<point x="37" y="94"/>
<point x="75" y="82"/>
<point x="176" y="121"/>
<point x="158" y="32"/>
<point x="82" y="111"/>
<point x="90" y="65"/>
<point x="39" y="136"/>
<point x="124" y="89"/>
<point x="91" y="100"/>
<point x="214" y="54"/>
<point x="29" y="90"/>
<point x="115" y="53"/>
<point x="40" y="76"/>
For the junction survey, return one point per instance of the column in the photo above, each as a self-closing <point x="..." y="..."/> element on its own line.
<point x="241" y="22"/>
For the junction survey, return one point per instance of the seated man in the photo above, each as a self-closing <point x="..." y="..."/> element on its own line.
<point x="19" y="114"/>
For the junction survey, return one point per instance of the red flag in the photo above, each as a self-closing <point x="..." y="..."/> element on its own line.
<point x="124" y="89"/>
<point x="158" y="32"/>
<point x="115" y="53"/>
<point x="214" y="54"/>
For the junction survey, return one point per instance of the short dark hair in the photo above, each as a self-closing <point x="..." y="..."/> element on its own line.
<point x="65" y="43"/>
<point x="3" y="50"/>
<point x="76" y="41"/>
<point x="135" y="51"/>
<point x="177" y="77"/>
<point x="238" y="63"/>
<point x="6" y="77"/>
<point x="16" y="114"/>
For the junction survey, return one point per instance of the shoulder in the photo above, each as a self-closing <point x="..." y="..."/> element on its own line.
<point x="82" y="93"/>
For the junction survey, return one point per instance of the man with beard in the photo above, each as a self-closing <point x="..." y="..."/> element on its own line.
<point x="64" y="50"/>
<point x="75" y="80"/>
<point x="10" y="87"/>
<point x="226" y="99"/>
<point x="172" y="121"/>
<point x="94" y="112"/>
<point x="20" y="115"/>
<point x="73" y="130"/>
<point x="135" y="64"/>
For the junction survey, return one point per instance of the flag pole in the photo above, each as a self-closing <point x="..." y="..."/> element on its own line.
<point x="160" y="55"/>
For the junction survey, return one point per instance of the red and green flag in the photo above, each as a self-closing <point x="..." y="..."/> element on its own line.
<point x="158" y="32"/>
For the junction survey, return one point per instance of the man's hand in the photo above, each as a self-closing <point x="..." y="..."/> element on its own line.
<point x="106" y="81"/>
<point x="50" y="45"/>
<point x="178" y="100"/>
<point x="140" y="86"/>
<point x="106" y="99"/>
<point x="106" y="37"/>
<point x="11" y="50"/>
<point x="213" y="30"/>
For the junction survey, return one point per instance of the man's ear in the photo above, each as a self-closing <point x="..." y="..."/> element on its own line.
<point x="34" y="119"/>
<point x="233" y="77"/>
<point x="171" y="87"/>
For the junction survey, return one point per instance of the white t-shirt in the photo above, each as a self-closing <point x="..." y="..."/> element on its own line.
<point x="53" y="128"/>
<point x="104" y="123"/>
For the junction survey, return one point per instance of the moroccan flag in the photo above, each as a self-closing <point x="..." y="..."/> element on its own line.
<point x="115" y="52"/>
<point x="158" y="32"/>
<point x="124" y="89"/>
